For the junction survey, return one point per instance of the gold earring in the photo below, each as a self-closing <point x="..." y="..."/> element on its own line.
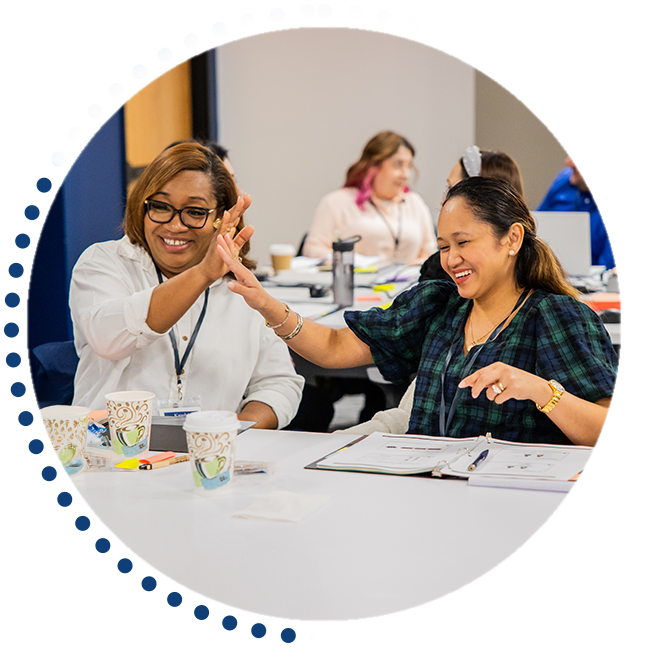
<point x="216" y="224"/>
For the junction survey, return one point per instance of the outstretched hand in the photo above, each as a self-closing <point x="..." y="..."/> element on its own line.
<point x="503" y="382"/>
<point x="212" y="265"/>
<point x="247" y="285"/>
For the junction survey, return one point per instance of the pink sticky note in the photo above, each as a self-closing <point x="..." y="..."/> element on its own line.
<point x="154" y="459"/>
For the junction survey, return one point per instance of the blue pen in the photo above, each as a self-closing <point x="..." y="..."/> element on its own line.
<point x="481" y="457"/>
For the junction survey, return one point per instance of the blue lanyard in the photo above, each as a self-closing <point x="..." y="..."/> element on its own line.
<point x="179" y="363"/>
<point x="443" y="418"/>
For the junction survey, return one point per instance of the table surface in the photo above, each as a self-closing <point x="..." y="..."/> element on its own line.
<point x="381" y="544"/>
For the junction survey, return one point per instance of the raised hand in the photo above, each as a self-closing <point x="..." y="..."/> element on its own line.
<point x="212" y="266"/>
<point x="247" y="284"/>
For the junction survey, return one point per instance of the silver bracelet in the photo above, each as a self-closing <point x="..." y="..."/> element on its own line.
<point x="275" y="327"/>
<point x="296" y="331"/>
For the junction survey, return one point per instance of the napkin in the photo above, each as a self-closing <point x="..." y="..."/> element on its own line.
<point x="284" y="506"/>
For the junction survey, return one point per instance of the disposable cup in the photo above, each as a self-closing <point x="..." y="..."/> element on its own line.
<point x="67" y="427"/>
<point x="281" y="256"/>
<point x="211" y="438"/>
<point x="129" y="421"/>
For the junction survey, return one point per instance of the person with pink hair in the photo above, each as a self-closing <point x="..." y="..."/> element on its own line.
<point x="376" y="203"/>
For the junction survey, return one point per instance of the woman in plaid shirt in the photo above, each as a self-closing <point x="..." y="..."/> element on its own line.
<point x="505" y="347"/>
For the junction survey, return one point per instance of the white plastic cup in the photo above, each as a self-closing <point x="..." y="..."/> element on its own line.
<point x="281" y="256"/>
<point x="67" y="427"/>
<point x="211" y="440"/>
<point x="129" y="421"/>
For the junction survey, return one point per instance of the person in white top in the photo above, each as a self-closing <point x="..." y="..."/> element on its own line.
<point x="151" y="311"/>
<point x="376" y="203"/>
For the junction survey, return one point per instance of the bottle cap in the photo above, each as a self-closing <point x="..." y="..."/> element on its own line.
<point x="343" y="245"/>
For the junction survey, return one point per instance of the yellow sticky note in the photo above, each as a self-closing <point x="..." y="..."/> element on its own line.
<point x="131" y="463"/>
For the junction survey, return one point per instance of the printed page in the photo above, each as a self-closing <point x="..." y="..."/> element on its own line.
<point x="520" y="460"/>
<point x="399" y="454"/>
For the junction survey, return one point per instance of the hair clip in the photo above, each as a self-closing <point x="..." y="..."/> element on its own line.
<point x="472" y="160"/>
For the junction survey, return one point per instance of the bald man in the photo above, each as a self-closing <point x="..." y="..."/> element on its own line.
<point x="592" y="182"/>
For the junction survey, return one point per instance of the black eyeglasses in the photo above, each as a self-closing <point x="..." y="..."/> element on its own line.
<point x="191" y="217"/>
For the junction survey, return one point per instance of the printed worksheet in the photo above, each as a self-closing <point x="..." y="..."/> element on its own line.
<point x="399" y="454"/>
<point x="458" y="457"/>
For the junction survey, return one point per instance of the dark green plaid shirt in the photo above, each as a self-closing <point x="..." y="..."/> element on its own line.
<point x="554" y="337"/>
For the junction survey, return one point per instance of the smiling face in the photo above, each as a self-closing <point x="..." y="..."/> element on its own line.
<point x="175" y="247"/>
<point x="393" y="174"/>
<point x="476" y="260"/>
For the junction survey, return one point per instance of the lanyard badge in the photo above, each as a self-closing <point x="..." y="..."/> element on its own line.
<point x="179" y="364"/>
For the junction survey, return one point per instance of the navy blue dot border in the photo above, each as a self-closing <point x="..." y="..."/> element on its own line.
<point x="13" y="300"/>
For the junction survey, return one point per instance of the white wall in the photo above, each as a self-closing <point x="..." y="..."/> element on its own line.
<point x="618" y="89"/>
<point x="297" y="107"/>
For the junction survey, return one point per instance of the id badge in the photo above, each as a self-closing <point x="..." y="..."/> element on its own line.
<point x="172" y="409"/>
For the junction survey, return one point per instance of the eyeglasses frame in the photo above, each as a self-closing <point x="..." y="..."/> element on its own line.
<point x="179" y="213"/>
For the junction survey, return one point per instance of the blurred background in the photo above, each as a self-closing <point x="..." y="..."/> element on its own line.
<point x="294" y="109"/>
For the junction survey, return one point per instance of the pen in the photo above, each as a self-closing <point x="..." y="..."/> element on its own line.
<point x="164" y="463"/>
<point x="481" y="457"/>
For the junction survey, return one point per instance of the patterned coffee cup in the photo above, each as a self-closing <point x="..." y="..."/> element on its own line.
<point x="211" y="437"/>
<point x="67" y="427"/>
<point x="129" y="421"/>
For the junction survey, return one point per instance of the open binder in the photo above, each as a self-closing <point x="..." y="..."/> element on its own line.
<point x="386" y="453"/>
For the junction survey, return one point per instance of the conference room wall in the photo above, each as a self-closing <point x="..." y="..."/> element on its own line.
<point x="296" y="107"/>
<point x="535" y="87"/>
<point x="67" y="69"/>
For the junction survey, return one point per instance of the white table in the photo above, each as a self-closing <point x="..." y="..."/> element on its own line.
<point x="382" y="544"/>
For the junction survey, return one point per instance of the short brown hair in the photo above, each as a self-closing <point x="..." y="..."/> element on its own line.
<point x="184" y="156"/>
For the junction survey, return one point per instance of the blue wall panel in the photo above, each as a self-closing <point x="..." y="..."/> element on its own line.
<point x="68" y="69"/>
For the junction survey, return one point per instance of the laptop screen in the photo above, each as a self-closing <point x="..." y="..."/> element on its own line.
<point x="569" y="235"/>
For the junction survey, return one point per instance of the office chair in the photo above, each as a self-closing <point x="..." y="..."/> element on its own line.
<point x="53" y="367"/>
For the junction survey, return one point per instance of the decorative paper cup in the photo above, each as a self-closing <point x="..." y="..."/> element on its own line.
<point x="281" y="256"/>
<point x="67" y="427"/>
<point x="129" y="421"/>
<point x="211" y="438"/>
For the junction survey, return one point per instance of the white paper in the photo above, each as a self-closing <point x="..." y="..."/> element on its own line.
<point x="399" y="454"/>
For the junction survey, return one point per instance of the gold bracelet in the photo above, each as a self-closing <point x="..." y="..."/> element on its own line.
<point x="275" y="327"/>
<point x="295" y="332"/>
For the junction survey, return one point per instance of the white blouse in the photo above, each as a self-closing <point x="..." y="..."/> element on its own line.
<point x="235" y="358"/>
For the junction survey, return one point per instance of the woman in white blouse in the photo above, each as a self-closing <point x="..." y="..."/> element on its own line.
<point x="150" y="311"/>
<point x="376" y="203"/>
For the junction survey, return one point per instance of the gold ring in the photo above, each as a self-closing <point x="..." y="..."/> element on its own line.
<point x="498" y="388"/>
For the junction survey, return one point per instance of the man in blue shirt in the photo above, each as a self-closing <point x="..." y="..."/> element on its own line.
<point x="592" y="182"/>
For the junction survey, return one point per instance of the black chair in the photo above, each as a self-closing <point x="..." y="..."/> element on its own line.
<point x="301" y="245"/>
<point x="53" y="368"/>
